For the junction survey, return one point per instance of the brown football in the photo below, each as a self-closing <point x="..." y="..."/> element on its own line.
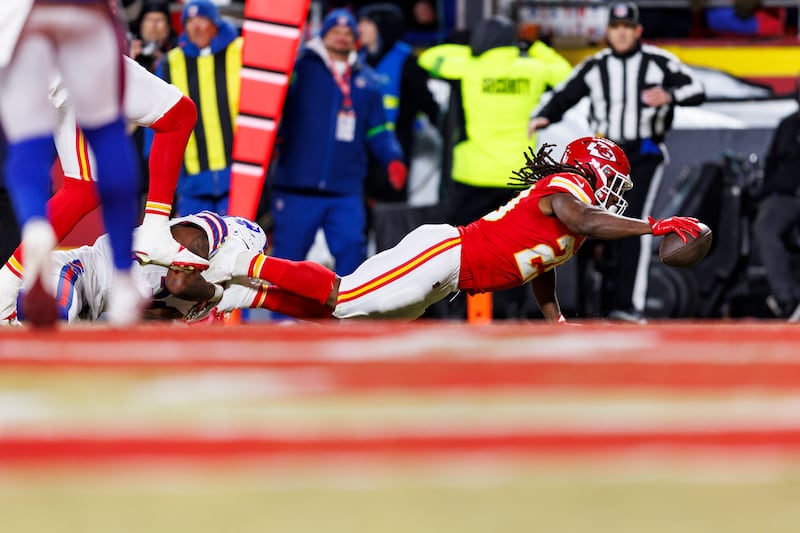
<point x="674" y="252"/>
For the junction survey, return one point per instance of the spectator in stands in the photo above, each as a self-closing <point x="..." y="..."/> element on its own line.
<point x="499" y="89"/>
<point x="402" y="81"/>
<point x="155" y="34"/>
<point x="153" y="37"/>
<point x="333" y="115"/>
<point x="633" y="89"/>
<point x="206" y="68"/>
<point x="778" y="213"/>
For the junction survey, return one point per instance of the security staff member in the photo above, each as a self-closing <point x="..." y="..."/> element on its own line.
<point x="633" y="89"/>
<point x="499" y="89"/>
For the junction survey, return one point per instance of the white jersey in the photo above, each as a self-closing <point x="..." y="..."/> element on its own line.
<point x="147" y="98"/>
<point x="13" y="15"/>
<point x="82" y="279"/>
<point x="83" y="276"/>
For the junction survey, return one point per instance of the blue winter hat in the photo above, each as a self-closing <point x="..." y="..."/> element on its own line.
<point x="339" y="17"/>
<point x="201" y="8"/>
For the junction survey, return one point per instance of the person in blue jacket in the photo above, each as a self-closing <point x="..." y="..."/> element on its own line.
<point x="332" y="117"/>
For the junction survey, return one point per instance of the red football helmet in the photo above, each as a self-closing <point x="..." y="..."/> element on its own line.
<point x="608" y="163"/>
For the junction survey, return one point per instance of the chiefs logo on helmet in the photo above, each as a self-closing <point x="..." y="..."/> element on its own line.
<point x="602" y="148"/>
<point x="610" y="166"/>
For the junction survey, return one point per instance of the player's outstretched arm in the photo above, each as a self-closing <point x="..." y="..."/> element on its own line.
<point x="596" y="222"/>
<point x="257" y="294"/>
<point x="304" y="278"/>
<point x="591" y="220"/>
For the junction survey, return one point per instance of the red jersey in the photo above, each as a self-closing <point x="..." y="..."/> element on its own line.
<point x="517" y="242"/>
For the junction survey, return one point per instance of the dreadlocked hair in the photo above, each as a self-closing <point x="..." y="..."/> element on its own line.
<point x="540" y="165"/>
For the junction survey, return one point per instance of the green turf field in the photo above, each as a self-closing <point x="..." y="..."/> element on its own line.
<point x="653" y="496"/>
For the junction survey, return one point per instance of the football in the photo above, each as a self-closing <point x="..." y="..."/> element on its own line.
<point x="674" y="252"/>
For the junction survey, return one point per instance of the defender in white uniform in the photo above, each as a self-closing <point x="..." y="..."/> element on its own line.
<point x="148" y="99"/>
<point x="83" y="276"/>
<point x="80" y="40"/>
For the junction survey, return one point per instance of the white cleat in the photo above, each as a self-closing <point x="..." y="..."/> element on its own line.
<point x="126" y="301"/>
<point x="38" y="303"/>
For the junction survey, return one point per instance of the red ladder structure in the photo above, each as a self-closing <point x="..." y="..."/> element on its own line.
<point x="272" y="31"/>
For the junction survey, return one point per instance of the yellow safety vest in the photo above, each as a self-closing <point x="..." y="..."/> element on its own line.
<point x="499" y="90"/>
<point x="212" y="82"/>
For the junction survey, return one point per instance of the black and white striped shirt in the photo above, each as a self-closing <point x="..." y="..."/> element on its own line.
<point x="614" y="84"/>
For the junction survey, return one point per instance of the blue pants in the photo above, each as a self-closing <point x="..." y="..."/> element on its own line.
<point x="188" y="205"/>
<point x="297" y="218"/>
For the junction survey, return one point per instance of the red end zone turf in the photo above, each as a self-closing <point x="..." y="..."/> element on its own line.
<point x="416" y="365"/>
<point x="422" y="355"/>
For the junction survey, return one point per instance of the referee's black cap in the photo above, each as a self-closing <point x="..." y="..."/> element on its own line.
<point x="623" y="13"/>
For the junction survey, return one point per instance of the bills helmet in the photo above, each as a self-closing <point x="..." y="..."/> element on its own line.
<point x="211" y="223"/>
<point x="218" y="228"/>
<point x="610" y="166"/>
<point x="250" y="233"/>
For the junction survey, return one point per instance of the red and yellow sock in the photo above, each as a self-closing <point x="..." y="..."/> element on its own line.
<point x="303" y="278"/>
<point x="282" y="301"/>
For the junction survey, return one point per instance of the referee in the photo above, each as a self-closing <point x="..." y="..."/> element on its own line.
<point x="633" y="89"/>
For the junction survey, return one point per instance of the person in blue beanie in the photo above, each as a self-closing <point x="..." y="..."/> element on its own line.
<point x="333" y="117"/>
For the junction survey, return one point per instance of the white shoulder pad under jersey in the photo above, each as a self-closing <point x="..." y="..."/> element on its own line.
<point x="574" y="185"/>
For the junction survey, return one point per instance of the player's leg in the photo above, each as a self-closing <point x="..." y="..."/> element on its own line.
<point x="277" y="299"/>
<point x="69" y="205"/>
<point x="153" y="103"/>
<point x="76" y="198"/>
<point x="403" y="281"/>
<point x="172" y="132"/>
<point x="154" y="242"/>
<point x="96" y="88"/>
<point x="28" y="121"/>
<point x="280" y="300"/>
<point x="304" y="278"/>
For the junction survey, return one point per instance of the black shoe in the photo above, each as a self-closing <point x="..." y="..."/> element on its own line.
<point x="783" y="308"/>
<point x="795" y="316"/>
<point x="630" y="315"/>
